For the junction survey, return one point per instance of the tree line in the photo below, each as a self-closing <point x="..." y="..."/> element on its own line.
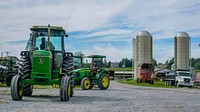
<point x="195" y="63"/>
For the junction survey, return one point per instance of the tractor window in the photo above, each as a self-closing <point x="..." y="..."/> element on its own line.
<point x="55" y="43"/>
<point x="39" y="40"/>
<point x="77" y="63"/>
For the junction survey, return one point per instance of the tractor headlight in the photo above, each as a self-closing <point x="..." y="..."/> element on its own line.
<point x="68" y="54"/>
<point x="24" y="53"/>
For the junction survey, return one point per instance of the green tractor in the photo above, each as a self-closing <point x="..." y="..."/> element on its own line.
<point x="44" y="62"/>
<point x="86" y="76"/>
<point x="8" y="69"/>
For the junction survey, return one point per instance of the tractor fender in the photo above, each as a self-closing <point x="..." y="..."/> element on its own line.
<point x="100" y="73"/>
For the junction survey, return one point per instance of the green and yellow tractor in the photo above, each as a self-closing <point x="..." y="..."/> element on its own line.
<point x="86" y="76"/>
<point x="44" y="62"/>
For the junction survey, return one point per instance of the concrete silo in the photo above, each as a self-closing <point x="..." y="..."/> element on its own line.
<point x="144" y="41"/>
<point x="135" y="56"/>
<point x="182" y="51"/>
<point x="183" y="74"/>
<point x="142" y="50"/>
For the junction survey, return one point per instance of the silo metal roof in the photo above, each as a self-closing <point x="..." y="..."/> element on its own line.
<point x="182" y="34"/>
<point x="143" y="34"/>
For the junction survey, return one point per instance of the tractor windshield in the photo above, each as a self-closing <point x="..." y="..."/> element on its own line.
<point x="39" y="40"/>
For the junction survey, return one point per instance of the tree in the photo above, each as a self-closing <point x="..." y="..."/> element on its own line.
<point x="126" y="61"/>
<point x="197" y="66"/>
<point x="154" y="62"/>
<point x="79" y="53"/>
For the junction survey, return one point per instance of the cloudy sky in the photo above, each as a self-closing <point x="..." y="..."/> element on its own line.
<point x="104" y="27"/>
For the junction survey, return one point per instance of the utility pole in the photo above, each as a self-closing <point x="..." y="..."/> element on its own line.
<point x="2" y="54"/>
<point x="7" y="53"/>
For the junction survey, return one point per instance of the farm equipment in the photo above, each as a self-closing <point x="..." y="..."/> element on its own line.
<point x="169" y="78"/>
<point x="44" y="62"/>
<point x="145" y="73"/>
<point x="8" y="69"/>
<point x="86" y="77"/>
<point x="197" y="80"/>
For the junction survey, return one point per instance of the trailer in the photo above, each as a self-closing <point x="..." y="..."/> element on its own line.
<point x="196" y="80"/>
<point x="145" y="73"/>
<point x="169" y="78"/>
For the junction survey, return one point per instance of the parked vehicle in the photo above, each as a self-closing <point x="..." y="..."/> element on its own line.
<point x="8" y="69"/>
<point x="145" y="73"/>
<point x="183" y="78"/>
<point x="169" y="78"/>
<point x="196" y="80"/>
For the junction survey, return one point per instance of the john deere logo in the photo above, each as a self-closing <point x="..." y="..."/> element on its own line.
<point x="40" y="61"/>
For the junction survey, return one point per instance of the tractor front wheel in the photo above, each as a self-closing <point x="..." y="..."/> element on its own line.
<point x="16" y="88"/>
<point x="104" y="82"/>
<point x="65" y="88"/>
<point x="85" y="83"/>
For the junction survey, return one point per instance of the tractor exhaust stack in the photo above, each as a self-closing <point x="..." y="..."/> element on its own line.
<point x="48" y="36"/>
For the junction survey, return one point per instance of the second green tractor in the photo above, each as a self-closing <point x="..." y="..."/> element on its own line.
<point x="87" y="76"/>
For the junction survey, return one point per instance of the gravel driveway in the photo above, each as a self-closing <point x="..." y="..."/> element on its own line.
<point x="118" y="98"/>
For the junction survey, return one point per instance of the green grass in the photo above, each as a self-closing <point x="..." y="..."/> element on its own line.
<point x="197" y="70"/>
<point x="120" y="69"/>
<point x="157" y="84"/>
<point x="3" y="85"/>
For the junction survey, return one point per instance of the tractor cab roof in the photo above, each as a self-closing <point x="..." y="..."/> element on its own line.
<point x="95" y="56"/>
<point x="78" y="56"/>
<point x="46" y="27"/>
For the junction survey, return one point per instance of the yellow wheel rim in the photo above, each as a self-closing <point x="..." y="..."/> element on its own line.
<point x="87" y="83"/>
<point x="69" y="89"/>
<point x="105" y="81"/>
<point x="20" y="88"/>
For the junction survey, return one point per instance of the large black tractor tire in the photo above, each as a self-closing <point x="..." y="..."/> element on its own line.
<point x="24" y="70"/>
<point x="68" y="69"/>
<point x="9" y="78"/>
<point x="65" y="89"/>
<point x="104" y="81"/>
<point x="85" y="83"/>
<point x="16" y="88"/>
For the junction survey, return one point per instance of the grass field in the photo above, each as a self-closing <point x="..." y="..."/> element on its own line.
<point x="120" y="69"/>
<point x="158" y="84"/>
<point x="197" y="70"/>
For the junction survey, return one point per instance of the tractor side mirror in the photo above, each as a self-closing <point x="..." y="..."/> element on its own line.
<point x="66" y="35"/>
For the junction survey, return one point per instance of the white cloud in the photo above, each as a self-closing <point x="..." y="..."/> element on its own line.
<point x="111" y="20"/>
<point x="111" y="52"/>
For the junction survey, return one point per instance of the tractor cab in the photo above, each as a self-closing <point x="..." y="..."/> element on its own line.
<point x="89" y="72"/>
<point x="96" y="63"/>
<point x="39" y="41"/>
